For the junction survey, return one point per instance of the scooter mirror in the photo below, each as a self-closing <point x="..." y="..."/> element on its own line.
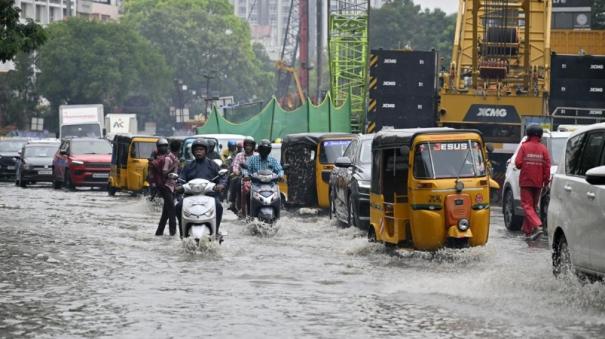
<point x="244" y="166"/>
<point x="223" y="172"/>
<point x="173" y="176"/>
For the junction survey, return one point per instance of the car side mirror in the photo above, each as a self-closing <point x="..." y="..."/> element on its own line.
<point x="343" y="162"/>
<point x="596" y="176"/>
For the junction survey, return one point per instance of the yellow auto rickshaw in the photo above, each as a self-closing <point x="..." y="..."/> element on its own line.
<point x="308" y="159"/>
<point x="129" y="163"/>
<point x="430" y="188"/>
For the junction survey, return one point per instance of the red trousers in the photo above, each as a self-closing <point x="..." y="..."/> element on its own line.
<point x="529" y="200"/>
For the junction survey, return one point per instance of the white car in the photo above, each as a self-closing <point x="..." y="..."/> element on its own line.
<point x="511" y="193"/>
<point x="576" y="215"/>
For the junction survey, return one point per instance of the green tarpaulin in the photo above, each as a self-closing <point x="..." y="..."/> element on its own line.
<point x="275" y="122"/>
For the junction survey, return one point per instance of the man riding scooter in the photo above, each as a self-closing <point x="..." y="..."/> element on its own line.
<point x="236" y="170"/>
<point x="203" y="168"/>
<point x="261" y="161"/>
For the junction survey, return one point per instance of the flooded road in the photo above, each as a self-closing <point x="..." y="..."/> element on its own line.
<point x="83" y="264"/>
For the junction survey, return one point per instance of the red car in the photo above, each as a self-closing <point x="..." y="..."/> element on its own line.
<point x="82" y="162"/>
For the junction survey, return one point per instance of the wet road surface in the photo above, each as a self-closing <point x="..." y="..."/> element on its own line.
<point x="83" y="264"/>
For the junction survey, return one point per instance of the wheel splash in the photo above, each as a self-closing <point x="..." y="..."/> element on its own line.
<point x="204" y="246"/>
<point x="261" y="228"/>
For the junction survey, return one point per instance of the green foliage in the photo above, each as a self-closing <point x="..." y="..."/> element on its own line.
<point x="400" y="24"/>
<point x="17" y="37"/>
<point x="90" y="62"/>
<point x="19" y="97"/>
<point x="204" y="37"/>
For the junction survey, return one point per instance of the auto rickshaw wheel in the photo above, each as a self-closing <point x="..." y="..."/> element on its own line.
<point x="371" y="234"/>
<point x="457" y="242"/>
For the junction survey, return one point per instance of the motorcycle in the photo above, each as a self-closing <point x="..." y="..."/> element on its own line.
<point x="198" y="217"/>
<point x="265" y="198"/>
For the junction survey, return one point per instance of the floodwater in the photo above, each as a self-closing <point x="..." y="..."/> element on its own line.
<point x="83" y="264"/>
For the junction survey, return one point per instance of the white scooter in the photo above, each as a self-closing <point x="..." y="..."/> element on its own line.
<point x="198" y="218"/>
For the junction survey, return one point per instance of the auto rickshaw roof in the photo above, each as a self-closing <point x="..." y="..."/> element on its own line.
<point x="311" y="138"/>
<point x="128" y="137"/>
<point x="398" y="137"/>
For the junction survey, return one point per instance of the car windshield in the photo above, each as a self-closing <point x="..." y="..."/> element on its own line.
<point x="451" y="159"/>
<point x="11" y="146"/>
<point x="557" y="147"/>
<point x="365" y="154"/>
<point x="330" y="150"/>
<point x="82" y="131"/>
<point x="46" y="151"/>
<point x="90" y="147"/>
<point x="143" y="150"/>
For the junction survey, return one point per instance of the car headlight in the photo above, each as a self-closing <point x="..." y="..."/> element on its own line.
<point x="463" y="224"/>
<point x="27" y="166"/>
<point x="77" y="162"/>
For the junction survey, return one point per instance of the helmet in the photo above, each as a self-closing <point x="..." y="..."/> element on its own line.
<point x="211" y="145"/>
<point x="534" y="131"/>
<point x="249" y="141"/>
<point x="277" y="140"/>
<point x="264" y="148"/>
<point x="161" y="142"/>
<point x="162" y="146"/>
<point x="231" y="143"/>
<point x="199" y="143"/>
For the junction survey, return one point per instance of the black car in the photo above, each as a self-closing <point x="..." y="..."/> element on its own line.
<point x="350" y="183"/>
<point x="9" y="153"/>
<point x="35" y="163"/>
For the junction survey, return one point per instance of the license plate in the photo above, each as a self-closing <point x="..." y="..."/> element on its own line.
<point x="100" y="175"/>
<point x="10" y="167"/>
<point x="45" y="172"/>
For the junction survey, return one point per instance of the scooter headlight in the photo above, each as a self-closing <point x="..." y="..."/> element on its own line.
<point x="463" y="224"/>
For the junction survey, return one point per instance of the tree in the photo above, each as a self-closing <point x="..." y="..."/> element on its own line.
<point x="17" y="37"/>
<point x="401" y="24"/>
<point x="90" y="62"/>
<point x="200" y="39"/>
<point x="20" y="97"/>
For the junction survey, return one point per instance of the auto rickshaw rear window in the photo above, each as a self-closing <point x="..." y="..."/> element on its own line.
<point x="330" y="150"/>
<point x="143" y="150"/>
<point x="438" y="160"/>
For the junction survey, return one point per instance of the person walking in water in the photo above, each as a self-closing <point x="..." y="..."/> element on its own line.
<point x="534" y="162"/>
<point x="165" y="163"/>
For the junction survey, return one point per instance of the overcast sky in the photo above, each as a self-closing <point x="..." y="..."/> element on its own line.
<point x="448" y="6"/>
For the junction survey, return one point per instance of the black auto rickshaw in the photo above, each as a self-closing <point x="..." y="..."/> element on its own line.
<point x="308" y="159"/>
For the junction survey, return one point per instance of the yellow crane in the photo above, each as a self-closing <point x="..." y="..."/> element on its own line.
<point x="499" y="75"/>
<point x="281" y="65"/>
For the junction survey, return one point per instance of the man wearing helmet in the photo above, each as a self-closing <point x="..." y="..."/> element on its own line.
<point x="228" y="153"/>
<point x="163" y="164"/>
<point x="203" y="168"/>
<point x="261" y="161"/>
<point x="236" y="186"/>
<point x="534" y="162"/>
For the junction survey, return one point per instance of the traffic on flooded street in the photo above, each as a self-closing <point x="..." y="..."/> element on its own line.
<point x="85" y="264"/>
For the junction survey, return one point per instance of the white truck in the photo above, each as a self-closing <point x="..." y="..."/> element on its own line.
<point x="81" y="121"/>
<point x="120" y="123"/>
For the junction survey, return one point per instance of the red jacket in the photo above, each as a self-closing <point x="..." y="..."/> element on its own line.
<point x="534" y="162"/>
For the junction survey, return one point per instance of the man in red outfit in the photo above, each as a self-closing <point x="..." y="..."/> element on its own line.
<point x="534" y="162"/>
